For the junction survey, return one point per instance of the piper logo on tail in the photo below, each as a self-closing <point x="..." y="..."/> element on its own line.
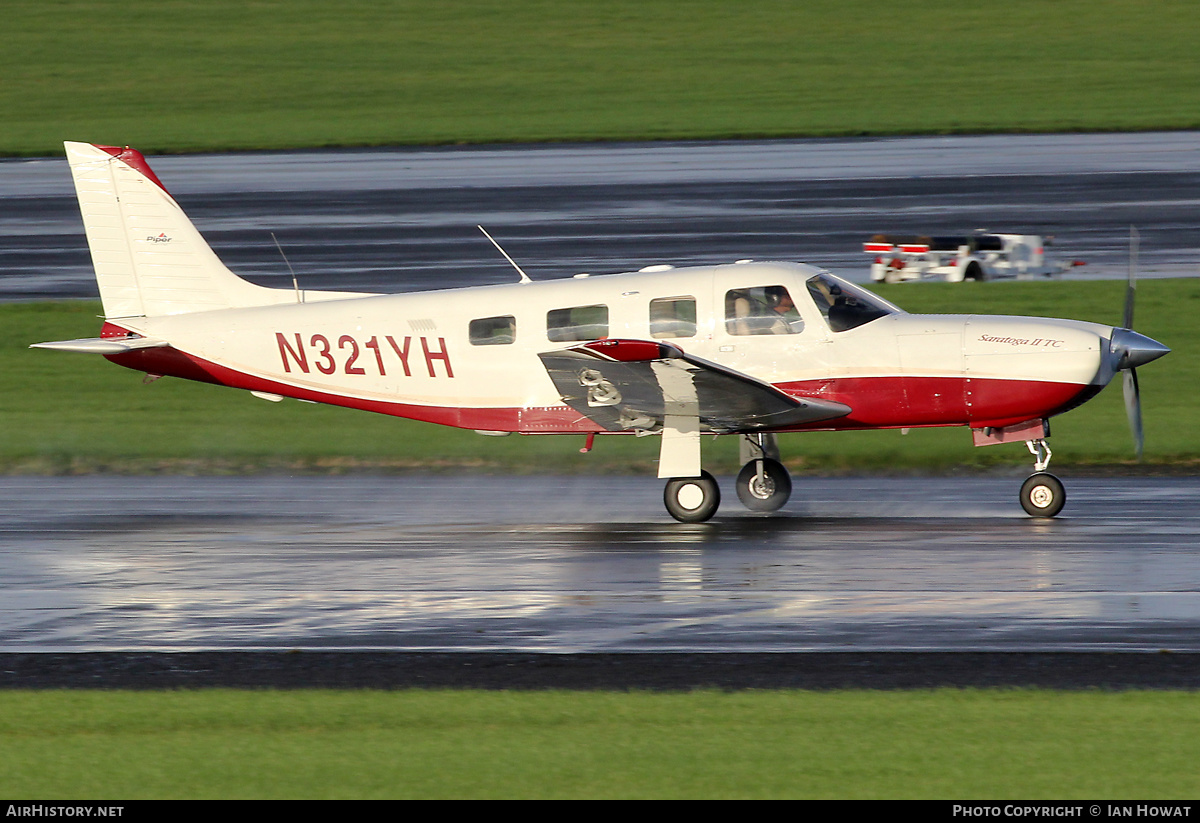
<point x="162" y="238"/>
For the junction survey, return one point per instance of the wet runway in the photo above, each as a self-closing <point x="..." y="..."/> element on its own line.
<point x="404" y="219"/>
<point x="586" y="565"/>
<point x="497" y="570"/>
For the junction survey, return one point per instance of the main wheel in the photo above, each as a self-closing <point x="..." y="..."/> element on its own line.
<point x="974" y="271"/>
<point x="692" y="499"/>
<point x="765" y="494"/>
<point x="1042" y="495"/>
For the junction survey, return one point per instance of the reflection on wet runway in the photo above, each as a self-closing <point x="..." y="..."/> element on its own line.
<point x="592" y="564"/>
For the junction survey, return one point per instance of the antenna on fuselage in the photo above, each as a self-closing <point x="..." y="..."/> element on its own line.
<point x="295" y="284"/>
<point x="524" y="276"/>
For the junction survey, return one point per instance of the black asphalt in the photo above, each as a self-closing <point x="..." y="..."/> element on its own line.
<point x="654" y="672"/>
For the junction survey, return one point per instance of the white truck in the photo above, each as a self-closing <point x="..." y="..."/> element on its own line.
<point x="979" y="256"/>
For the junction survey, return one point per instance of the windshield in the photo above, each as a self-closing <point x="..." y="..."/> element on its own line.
<point x="846" y="306"/>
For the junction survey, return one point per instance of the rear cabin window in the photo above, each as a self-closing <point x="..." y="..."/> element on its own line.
<point x="673" y="317"/>
<point x="493" y="331"/>
<point x="761" y="310"/>
<point x="577" y="323"/>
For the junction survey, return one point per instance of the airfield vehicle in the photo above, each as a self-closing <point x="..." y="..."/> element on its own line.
<point x="978" y="256"/>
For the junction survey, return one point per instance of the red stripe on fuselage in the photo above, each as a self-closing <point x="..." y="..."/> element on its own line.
<point x="548" y="420"/>
<point x="898" y="401"/>
<point x="876" y="402"/>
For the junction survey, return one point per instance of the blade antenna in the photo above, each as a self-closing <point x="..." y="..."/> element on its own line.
<point x="524" y="276"/>
<point x="295" y="284"/>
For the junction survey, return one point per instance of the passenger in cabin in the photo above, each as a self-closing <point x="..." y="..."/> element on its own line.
<point x="762" y="310"/>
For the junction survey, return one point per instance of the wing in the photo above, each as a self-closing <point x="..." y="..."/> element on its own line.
<point x="626" y="385"/>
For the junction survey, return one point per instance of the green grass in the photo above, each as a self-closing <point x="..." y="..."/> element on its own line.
<point x="67" y="413"/>
<point x="170" y="75"/>
<point x="968" y="744"/>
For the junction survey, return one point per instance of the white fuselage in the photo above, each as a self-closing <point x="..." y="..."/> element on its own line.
<point x="414" y="354"/>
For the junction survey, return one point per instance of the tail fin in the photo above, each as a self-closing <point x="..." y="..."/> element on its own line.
<point x="149" y="258"/>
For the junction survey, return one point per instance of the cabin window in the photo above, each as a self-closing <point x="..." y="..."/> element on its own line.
<point x="577" y="323"/>
<point x="493" y="331"/>
<point x="673" y="317"/>
<point x="761" y="310"/>
<point x="844" y="305"/>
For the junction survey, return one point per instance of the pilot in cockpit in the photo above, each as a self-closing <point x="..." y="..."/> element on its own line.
<point x="787" y="319"/>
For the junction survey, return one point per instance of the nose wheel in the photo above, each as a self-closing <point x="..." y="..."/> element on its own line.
<point x="1042" y="494"/>
<point x="692" y="499"/>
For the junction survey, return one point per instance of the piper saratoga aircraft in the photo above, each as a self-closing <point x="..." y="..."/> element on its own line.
<point x="749" y="349"/>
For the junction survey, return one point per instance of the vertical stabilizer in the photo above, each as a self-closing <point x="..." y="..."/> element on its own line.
<point x="149" y="258"/>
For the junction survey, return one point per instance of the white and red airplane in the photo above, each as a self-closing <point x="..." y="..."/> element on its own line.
<point x="749" y="349"/>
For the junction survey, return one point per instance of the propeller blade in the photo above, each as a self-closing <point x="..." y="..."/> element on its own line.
<point x="1133" y="408"/>
<point x="1131" y="289"/>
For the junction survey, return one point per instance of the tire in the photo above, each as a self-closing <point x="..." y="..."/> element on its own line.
<point x="772" y="494"/>
<point x="1042" y="495"/>
<point x="974" y="271"/>
<point x="692" y="499"/>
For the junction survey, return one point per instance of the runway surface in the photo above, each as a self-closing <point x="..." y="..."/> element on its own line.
<point x="591" y="565"/>
<point x="586" y="581"/>
<point x="397" y="220"/>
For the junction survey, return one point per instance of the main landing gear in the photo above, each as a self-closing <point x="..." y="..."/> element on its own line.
<point x="692" y="499"/>
<point x="1042" y="494"/>
<point x="763" y="484"/>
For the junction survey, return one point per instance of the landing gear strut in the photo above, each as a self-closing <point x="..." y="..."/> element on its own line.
<point x="1042" y="494"/>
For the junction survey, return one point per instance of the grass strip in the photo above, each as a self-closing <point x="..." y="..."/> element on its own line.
<point x="995" y="744"/>
<point x="69" y="413"/>
<point x="171" y="75"/>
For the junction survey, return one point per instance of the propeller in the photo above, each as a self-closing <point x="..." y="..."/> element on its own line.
<point x="1130" y="350"/>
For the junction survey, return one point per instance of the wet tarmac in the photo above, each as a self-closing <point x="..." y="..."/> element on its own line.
<point x="586" y="565"/>
<point x="585" y="581"/>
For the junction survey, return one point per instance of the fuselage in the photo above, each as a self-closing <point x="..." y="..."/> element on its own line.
<point x="469" y="357"/>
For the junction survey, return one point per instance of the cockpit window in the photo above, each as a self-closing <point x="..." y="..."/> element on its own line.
<point x="761" y="310"/>
<point x="844" y="305"/>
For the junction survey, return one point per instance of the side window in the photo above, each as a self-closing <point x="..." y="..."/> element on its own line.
<point x="761" y="310"/>
<point x="673" y="317"/>
<point x="844" y="305"/>
<point x="577" y="323"/>
<point x="493" y="331"/>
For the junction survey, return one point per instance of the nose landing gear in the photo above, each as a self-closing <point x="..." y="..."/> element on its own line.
<point x="1042" y="494"/>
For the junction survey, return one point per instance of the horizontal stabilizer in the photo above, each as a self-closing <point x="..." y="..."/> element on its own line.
<point x="103" y="345"/>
